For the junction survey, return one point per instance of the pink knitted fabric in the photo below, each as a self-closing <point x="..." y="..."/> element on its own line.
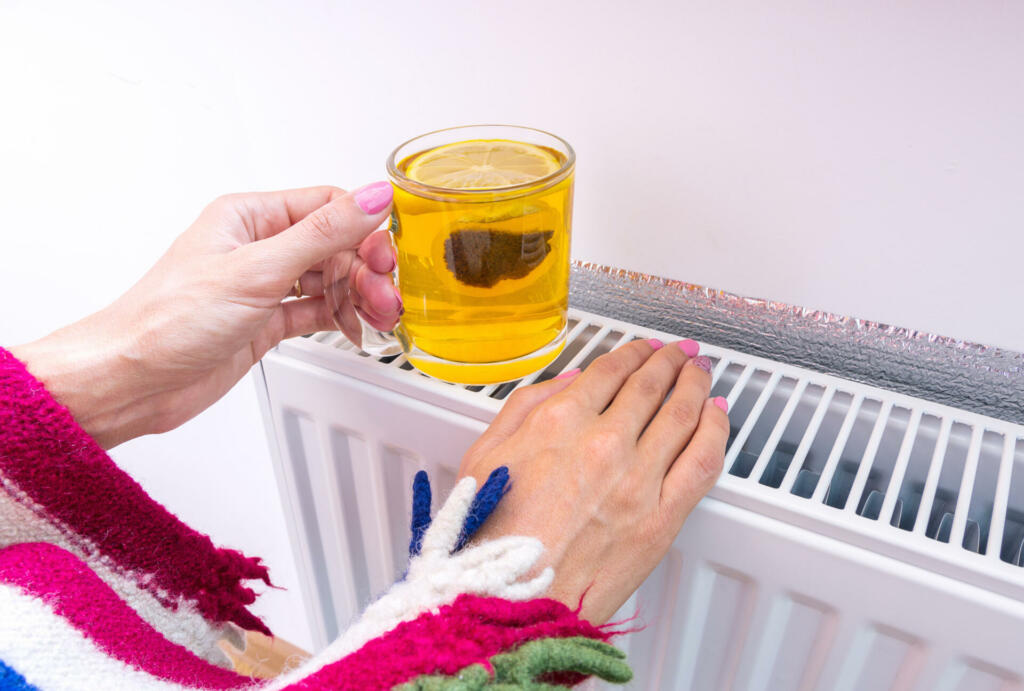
<point x="78" y="595"/>
<point x="469" y="631"/>
<point x="65" y="473"/>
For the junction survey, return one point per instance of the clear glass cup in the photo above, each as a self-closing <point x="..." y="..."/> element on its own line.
<point x="483" y="272"/>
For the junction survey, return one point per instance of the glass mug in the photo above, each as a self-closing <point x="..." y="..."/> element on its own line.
<point x="481" y="230"/>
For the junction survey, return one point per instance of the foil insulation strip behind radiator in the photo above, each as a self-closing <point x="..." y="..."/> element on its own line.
<point x="964" y="375"/>
<point x="859" y="538"/>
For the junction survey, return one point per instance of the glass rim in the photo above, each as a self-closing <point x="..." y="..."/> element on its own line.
<point x="399" y="177"/>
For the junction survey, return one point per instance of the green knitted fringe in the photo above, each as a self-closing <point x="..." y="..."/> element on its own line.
<point x="520" y="669"/>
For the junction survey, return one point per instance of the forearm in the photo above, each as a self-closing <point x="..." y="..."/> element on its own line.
<point x="95" y="373"/>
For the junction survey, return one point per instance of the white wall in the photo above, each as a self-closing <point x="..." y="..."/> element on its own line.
<point x="863" y="159"/>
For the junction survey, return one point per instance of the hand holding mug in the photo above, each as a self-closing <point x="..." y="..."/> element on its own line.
<point x="210" y="308"/>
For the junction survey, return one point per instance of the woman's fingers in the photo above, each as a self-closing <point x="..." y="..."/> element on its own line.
<point x="378" y="253"/>
<point x="645" y="390"/>
<point x="696" y="469"/>
<point x="674" y="424"/>
<point x="601" y="381"/>
<point x="346" y="319"/>
<point x="374" y="295"/>
<point x="341" y="224"/>
<point x="312" y="284"/>
<point x="304" y="316"/>
<point x="268" y="213"/>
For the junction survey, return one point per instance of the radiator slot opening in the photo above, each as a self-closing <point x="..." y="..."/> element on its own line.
<point x="763" y="427"/>
<point x="979" y="511"/>
<point x="870" y="502"/>
<point x="727" y="380"/>
<point x="852" y="455"/>
<point x="912" y="488"/>
<point x="777" y="468"/>
<point x="739" y="411"/>
<point x="1013" y="532"/>
<point x="940" y="520"/>
<point x="825" y="438"/>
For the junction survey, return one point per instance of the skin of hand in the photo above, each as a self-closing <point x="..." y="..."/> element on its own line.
<point x="215" y="302"/>
<point x="604" y="470"/>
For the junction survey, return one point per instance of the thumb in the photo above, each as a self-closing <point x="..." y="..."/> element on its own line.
<point x="339" y="225"/>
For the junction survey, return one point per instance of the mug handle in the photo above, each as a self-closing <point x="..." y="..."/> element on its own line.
<point x="342" y="301"/>
<point x="375" y="342"/>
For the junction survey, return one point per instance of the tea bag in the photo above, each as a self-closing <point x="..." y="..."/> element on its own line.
<point x="481" y="257"/>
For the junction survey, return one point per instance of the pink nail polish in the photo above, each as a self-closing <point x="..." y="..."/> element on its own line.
<point x="690" y="347"/>
<point x="398" y="300"/>
<point x="569" y="374"/>
<point x="655" y="343"/>
<point x="721" y="403"/>
<point x="704" y="362"/>
<point x="374" y="198"/>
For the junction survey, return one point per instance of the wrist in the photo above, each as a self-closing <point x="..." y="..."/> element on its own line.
<point x="95" y="377"/>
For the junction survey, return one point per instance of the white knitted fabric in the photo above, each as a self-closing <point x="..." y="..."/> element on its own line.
<point x="22" y="521"/>
<point x="53" y="655"/>
<point x="436" y="577"/>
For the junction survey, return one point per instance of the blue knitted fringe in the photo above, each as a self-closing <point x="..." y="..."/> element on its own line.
<point x="420" y="511"/>
<point x="484" y="503"/>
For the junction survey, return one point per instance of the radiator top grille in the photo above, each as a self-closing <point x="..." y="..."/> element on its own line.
<point x="939" y="481"/>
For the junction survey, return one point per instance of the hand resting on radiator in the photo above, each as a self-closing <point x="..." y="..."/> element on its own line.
<point x="603" y="469"/>
<point x="214" y="304"/>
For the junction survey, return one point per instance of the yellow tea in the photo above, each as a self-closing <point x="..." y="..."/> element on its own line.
<point x="483" y="258"/>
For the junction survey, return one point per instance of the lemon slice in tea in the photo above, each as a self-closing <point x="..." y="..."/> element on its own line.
<point x="481" y="164"/>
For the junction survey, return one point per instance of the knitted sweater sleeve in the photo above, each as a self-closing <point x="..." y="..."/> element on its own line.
<point x="58" y="486"/>
<point x="100" y="583"/>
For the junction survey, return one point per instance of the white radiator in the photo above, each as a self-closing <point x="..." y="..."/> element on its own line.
<point x="859" y="539"/>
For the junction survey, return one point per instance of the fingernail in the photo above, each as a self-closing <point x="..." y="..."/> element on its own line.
<point x="375" y="197"/>
<point x="721" y="403"/>
<point x="704" y="362"/>
<point x="398" y="301"/>
<point x="690" y="347"/>
<point x="569" y="374"/>
<point x="655" y="343"/>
